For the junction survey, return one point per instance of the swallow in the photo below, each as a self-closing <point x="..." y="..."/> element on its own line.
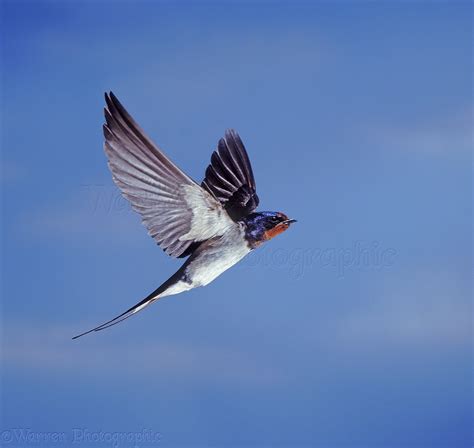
<point x="213" y="225"/>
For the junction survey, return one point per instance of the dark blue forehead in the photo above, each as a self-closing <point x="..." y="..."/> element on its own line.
<point x="260" y="216"/>
<point x="263" y="217"/>
<point x="268" y="214"/>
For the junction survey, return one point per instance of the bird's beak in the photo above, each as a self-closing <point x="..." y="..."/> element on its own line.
<point x="289" y="221"/>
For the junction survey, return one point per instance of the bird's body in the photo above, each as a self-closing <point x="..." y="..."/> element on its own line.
<point x="210" y="260"/>
<point x="214" y="223"/>
<point x="217" y="255"/>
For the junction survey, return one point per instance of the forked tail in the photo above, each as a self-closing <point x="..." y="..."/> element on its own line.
<point x="155" y="295"/>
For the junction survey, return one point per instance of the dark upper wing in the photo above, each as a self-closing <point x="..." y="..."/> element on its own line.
<point x="176" y="210"/>
<point x="229" y="177"/>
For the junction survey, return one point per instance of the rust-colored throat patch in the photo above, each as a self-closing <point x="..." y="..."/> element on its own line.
<point x="279" y="228"/>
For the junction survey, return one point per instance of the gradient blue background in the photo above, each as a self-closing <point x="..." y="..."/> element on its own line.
<point x="358" y="120"/>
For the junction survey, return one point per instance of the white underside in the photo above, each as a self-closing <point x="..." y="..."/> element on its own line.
<point x="218" y="255"/>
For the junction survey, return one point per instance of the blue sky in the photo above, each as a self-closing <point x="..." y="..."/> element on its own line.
<point x="352" y="329"/>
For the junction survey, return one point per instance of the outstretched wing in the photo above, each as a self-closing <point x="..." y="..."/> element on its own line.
<point x="229" y="177"/>
<point x="176" y="210"/>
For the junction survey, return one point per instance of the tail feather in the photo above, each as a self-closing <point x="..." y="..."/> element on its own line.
<point x="125" y="315"/>
<point x="130" y="312"/>
<point x="155" y="295"/>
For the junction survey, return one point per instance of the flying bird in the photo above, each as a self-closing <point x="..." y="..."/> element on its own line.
<point x="213" y="224"/>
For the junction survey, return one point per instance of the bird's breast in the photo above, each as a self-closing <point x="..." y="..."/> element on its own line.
<point x="216" y="256"/>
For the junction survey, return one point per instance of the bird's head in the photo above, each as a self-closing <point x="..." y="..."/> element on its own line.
<point x="264" y="226"/>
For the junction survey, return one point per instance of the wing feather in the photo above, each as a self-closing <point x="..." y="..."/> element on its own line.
<point x="229" y="177"/>
<point x="176" y="211"/>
